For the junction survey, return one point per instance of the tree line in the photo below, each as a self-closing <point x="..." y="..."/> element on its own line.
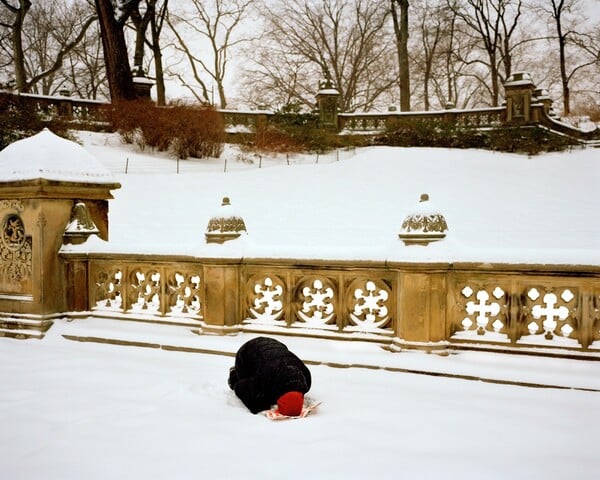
<point x="422" y="55"/>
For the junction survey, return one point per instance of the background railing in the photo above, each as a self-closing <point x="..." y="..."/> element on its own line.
<point x="77" y="110"/>
<point x="378" y="122"/>
<point x="96" y="114"/>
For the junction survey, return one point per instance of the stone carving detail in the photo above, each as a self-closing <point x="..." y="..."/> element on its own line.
<point x="550" y="313"/>
<point x="265" y="302"/>
<point x="16" y="205"/>
<point x="425" y="223"/>
<point x="150" y="290"/>
<point x="184" y="293"/>
<point x="485" y="312"/>
<point x="145" y="288"/>
<point x="226" y="225"/>
<point x="316" y="306"/>
<point x="108" y="290"/>
<point x="525" y="315"/>
<point x="15" y="249"/>
<point x="369" y="310"/>
<point x="318" y="302"/>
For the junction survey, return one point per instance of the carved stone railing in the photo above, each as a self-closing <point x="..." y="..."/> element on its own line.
<point x="92" y="113"/>
<point x="433" y="307"/>
<point x="245" y="121"/>
<point x="378" y="122"/>
<point x="518" y="309"/>
<point x="77" y="110"/>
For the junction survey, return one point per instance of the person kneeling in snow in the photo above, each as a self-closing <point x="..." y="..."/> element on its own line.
<point x="267" y="373"/>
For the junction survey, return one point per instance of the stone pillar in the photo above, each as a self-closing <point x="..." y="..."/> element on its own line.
<point x="221" y="309"/>
<point x="519" y="90"/>
<point x="421" y="322"/>
<point x="421" y="302"/>
<point x="65" y="106"/>
<point x="327" y="102"/>
<point x="142" y="86"/>
<point x="42" y="178"/>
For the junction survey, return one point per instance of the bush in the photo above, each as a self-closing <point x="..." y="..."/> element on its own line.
<point x="185" y="131"/>
<point x="290" y="131"/>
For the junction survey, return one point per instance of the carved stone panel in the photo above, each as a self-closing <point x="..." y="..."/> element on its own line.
<point x="15" y="250"/>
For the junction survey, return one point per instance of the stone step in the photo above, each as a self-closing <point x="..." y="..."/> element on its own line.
<point x="21" y="334"/>
<point x="23" y="328"/>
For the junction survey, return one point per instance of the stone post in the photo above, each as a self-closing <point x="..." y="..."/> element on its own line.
<point x="142" y="84"/>
<point x="421" y="312"/>
<point x="327" y="102"/>
<point x="519" y="88"/>
<point x="65" y="106"/>
<point x="421" y="303"/>
<point x="221" y="297"/>
<point x="42" y="178"/>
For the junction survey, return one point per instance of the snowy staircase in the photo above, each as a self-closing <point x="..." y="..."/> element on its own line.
<point x="24" y="328"/>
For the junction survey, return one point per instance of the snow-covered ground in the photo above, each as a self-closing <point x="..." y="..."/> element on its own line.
<point x="499" y="207"/>
<point x="71" y="410"/>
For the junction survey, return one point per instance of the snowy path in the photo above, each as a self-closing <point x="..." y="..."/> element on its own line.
<point x="73" y="410"/>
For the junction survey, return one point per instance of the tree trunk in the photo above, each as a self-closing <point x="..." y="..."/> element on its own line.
<point x="158" y="65"/>
<point x="401" y="31"/>
<point x="564" y="78"/>
<point x="141" y="25"/>
<point x="17" y="41"/>
<point x="495" y="82"/>
<point x="118" y="71"/>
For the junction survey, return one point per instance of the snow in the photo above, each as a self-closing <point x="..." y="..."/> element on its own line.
<point x="84" y="410"/>
<point x="48" y="156"/>
<point x="499" y="207"/>
<point x="73" y="410"/>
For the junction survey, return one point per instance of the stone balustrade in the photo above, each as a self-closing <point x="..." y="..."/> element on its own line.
<point x="81" y="111"/>
<point x="378" y="122"/>
<point x="434" y="307"/>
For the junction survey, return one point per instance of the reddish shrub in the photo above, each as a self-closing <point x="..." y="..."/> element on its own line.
<point x="186" y="131"/>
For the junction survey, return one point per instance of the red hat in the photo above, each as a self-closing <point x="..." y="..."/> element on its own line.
<point x="290" y="404"/>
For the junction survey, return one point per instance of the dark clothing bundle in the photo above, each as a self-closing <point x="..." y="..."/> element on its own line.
<point x="265" y="370"/>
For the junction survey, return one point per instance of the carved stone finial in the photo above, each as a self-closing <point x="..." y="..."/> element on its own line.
<point x="81" y="225"/>
<point x="225" y="225"/>
<point x="423" y="225"/>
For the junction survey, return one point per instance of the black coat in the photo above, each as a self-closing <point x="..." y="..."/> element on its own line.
<point x="264" y="370"/>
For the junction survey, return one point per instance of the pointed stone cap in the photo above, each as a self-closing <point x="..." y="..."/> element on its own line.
<point x="425" y="224"/>
<point x="47" y="156"/>
<point x="81" y="225"/>
<point x="225" y="225"/>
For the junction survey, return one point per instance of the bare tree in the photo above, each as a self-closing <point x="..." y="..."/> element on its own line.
<point x="401" y="33"/>
<point x="18" y="10"/>
<point x="347" y="42"/>
<point x="216" y="23"/>
<point x="575" y="50"/>
<point x="156" y="26"/>
<point x="494" y="22"/>
<point x="431" y="30"/>
<point x="150" y="17"/>
<point x="66" y="39"/>
<point x="112" y="15"/>
<point x="84" y="72"/>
